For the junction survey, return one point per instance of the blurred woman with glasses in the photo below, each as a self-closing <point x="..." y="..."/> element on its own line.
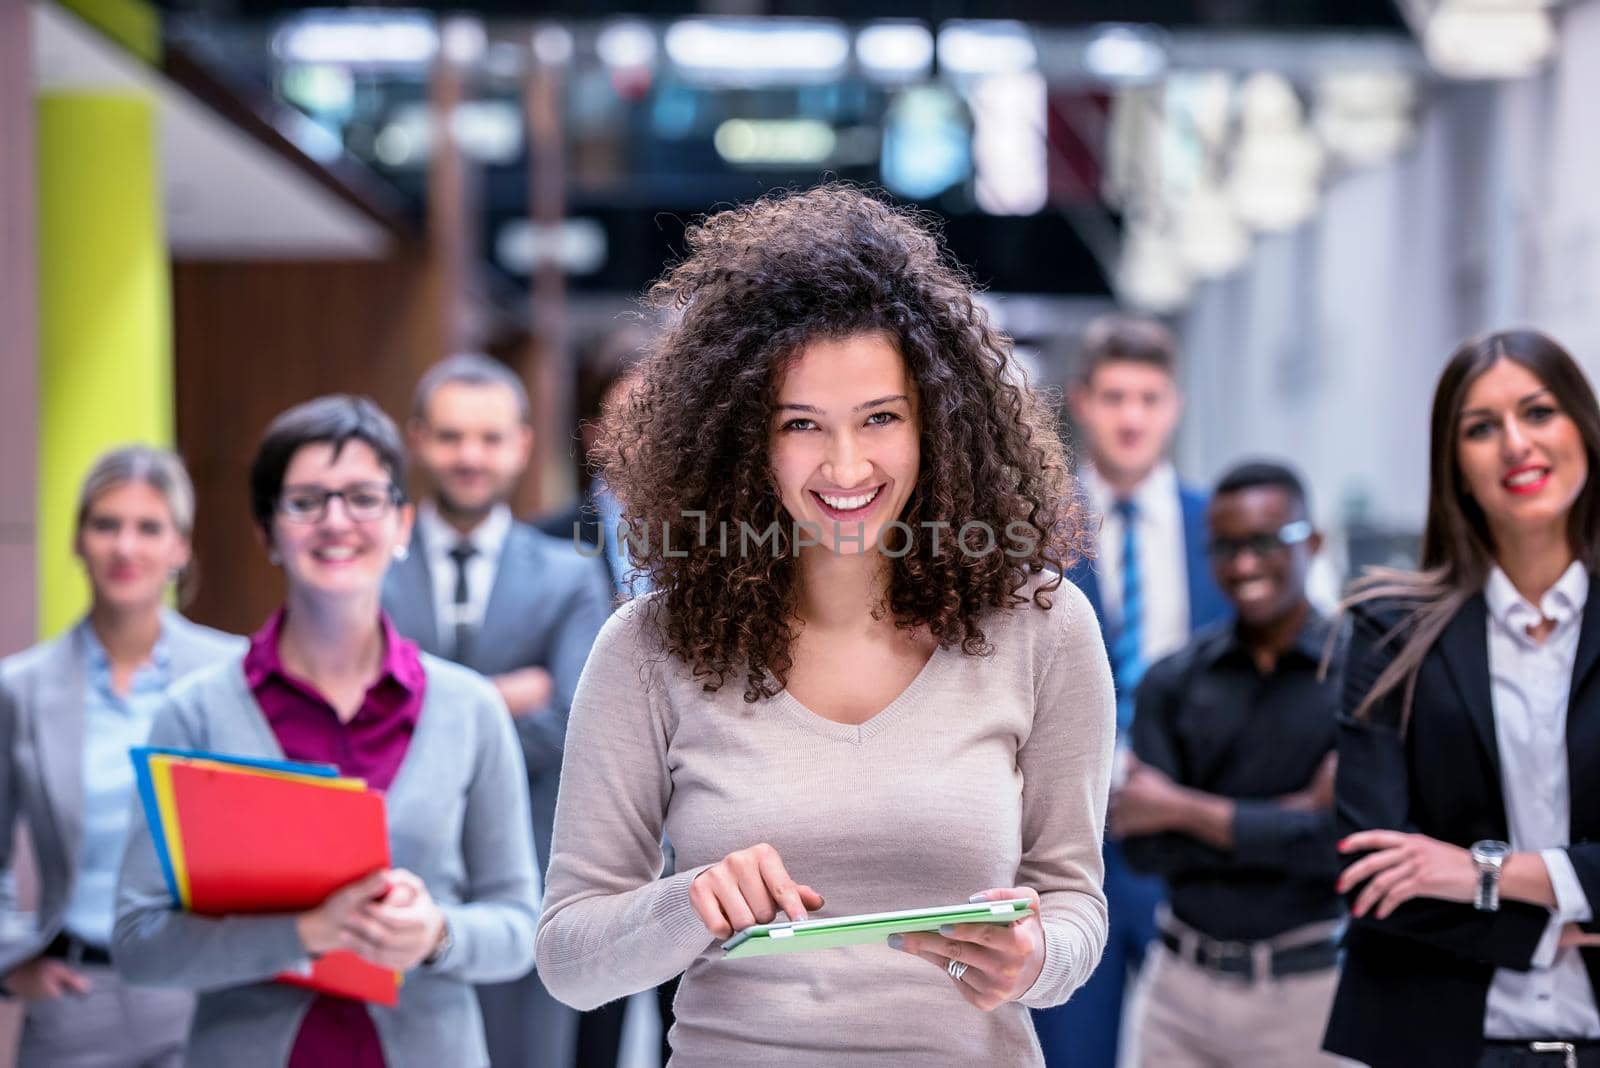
<point x="329" y="680"/>
<point x="1467" y="791"/>
<point x="70" y="709"/>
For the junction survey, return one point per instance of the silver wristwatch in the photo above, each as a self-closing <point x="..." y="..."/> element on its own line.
<point x="446" y="940"/>
<point x="1489" y="856"/>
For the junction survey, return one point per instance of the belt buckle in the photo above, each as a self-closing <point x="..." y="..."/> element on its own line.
<point x="1568" y="1051"/>
<point x="1218" y="953"/>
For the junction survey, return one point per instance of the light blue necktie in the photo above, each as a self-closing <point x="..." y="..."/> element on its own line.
<point x="1127" y="647"/>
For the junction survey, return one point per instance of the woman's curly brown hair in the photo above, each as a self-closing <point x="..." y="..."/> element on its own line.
<point x="760" y="283"/>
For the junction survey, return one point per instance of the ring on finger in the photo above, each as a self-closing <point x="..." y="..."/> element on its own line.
<point x="956" y="969"/>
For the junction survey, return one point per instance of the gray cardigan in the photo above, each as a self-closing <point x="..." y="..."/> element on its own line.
<point x="42" y="696"/>
<point x="458" y="818"/>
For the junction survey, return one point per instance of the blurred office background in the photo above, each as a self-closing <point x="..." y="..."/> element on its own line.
<point x="212" y="209"/>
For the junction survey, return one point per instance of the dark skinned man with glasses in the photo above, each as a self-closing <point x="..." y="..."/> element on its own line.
<point x="1229" y="798"/>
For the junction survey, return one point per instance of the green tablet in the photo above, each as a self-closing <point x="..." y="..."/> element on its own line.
<point x="765" y="938"/>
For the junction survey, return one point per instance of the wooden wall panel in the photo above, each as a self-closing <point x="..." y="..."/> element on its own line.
<point x="19" y="322"/>
<point x="252" y="339"/>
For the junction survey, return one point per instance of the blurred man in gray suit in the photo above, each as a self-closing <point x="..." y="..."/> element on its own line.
<point x="500" y="597"/>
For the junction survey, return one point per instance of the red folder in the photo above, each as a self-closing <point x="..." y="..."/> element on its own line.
<point x="255" y="843"/>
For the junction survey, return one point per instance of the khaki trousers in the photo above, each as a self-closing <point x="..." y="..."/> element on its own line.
<point x="1185" y="1016"/>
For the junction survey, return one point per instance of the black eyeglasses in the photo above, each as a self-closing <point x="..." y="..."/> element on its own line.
<point x="1227" y="549"/>
<point x="363" y="502"/>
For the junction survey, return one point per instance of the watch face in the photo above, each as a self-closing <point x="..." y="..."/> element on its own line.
<point x="1490" y="851"/>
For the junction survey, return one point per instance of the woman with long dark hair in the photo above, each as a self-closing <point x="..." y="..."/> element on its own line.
<point x="859" y="677"/>
<point x="1465" y="790"/>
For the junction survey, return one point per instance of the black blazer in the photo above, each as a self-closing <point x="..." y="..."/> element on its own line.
<point x="1414" y="986"/>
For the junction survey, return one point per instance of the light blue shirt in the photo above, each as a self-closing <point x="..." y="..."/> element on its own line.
<point x="112" y="724"/>
<point x="610" y="510"/>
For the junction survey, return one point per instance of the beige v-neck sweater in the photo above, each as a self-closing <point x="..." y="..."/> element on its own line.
<point x="987" y="771"/>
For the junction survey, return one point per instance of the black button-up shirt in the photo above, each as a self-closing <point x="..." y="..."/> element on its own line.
<point x="1211" y="720"/>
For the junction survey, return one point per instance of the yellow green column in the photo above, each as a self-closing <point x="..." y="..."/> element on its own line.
<point x="105" y="330"/>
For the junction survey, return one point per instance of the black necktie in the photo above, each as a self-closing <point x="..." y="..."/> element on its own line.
<point x="463" y="552"/>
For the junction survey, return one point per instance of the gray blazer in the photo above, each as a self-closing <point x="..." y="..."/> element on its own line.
<point x="42" y="695"/>
<point x="545" y="609"/>
<point x="458" y="818"/>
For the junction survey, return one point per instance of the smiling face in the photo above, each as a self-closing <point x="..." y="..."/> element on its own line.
<point x="1520" y="454"/>
<point x="130" y="546"/>
<point x="473" y="445"/>
<point x="845" y="446"/>
<point x="338" y="555"/>
<point x="1263" y="578"/>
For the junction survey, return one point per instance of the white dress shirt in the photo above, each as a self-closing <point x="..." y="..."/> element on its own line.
<point x="438" y="538"/>
<point x="113" y="723"/>
<point x="1163" y="559"/>
<point x="1529" y="684"/>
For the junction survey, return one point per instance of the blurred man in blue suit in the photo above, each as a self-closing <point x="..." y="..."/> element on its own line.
<point x="1151" y="585"/>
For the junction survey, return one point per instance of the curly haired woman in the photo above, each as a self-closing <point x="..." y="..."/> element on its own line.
<point x="860" y="665"/>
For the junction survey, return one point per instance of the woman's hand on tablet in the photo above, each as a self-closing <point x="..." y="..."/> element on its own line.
<point x="746" y="888"/>
<point x="1002" y="961"/>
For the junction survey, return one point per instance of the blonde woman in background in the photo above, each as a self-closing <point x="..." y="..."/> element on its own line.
<point x="70" y="709"/>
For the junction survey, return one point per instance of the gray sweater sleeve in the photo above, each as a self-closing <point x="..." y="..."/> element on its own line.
<point x="491" y="931"/>
<point x="611" y="925"/>
<point x="1066" y="769"/>
<point x="156" y="944"/>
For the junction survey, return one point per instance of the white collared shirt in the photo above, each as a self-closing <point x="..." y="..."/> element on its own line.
<point x="438" y="538"/>
<point x="1163" y="559"/>
<point x="113" y="724"/>
<point x="1529" y="685"/>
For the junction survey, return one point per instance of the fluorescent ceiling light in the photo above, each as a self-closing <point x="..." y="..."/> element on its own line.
<point x="552" y="45"/>
<point x="969" y="47"/>
<point x="490" y="131"/>
<point x="626" y="45"/>
<point x="464" y="40"/>
<point x="577" y="246"/>
<point x="359" y="40"/>
<point x="767" y="51"/>
<point x="1125" y="54"/>
<point x="792" y="142"/>
<point x="1479" y="40"/>
<point x="901" y="51"/>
